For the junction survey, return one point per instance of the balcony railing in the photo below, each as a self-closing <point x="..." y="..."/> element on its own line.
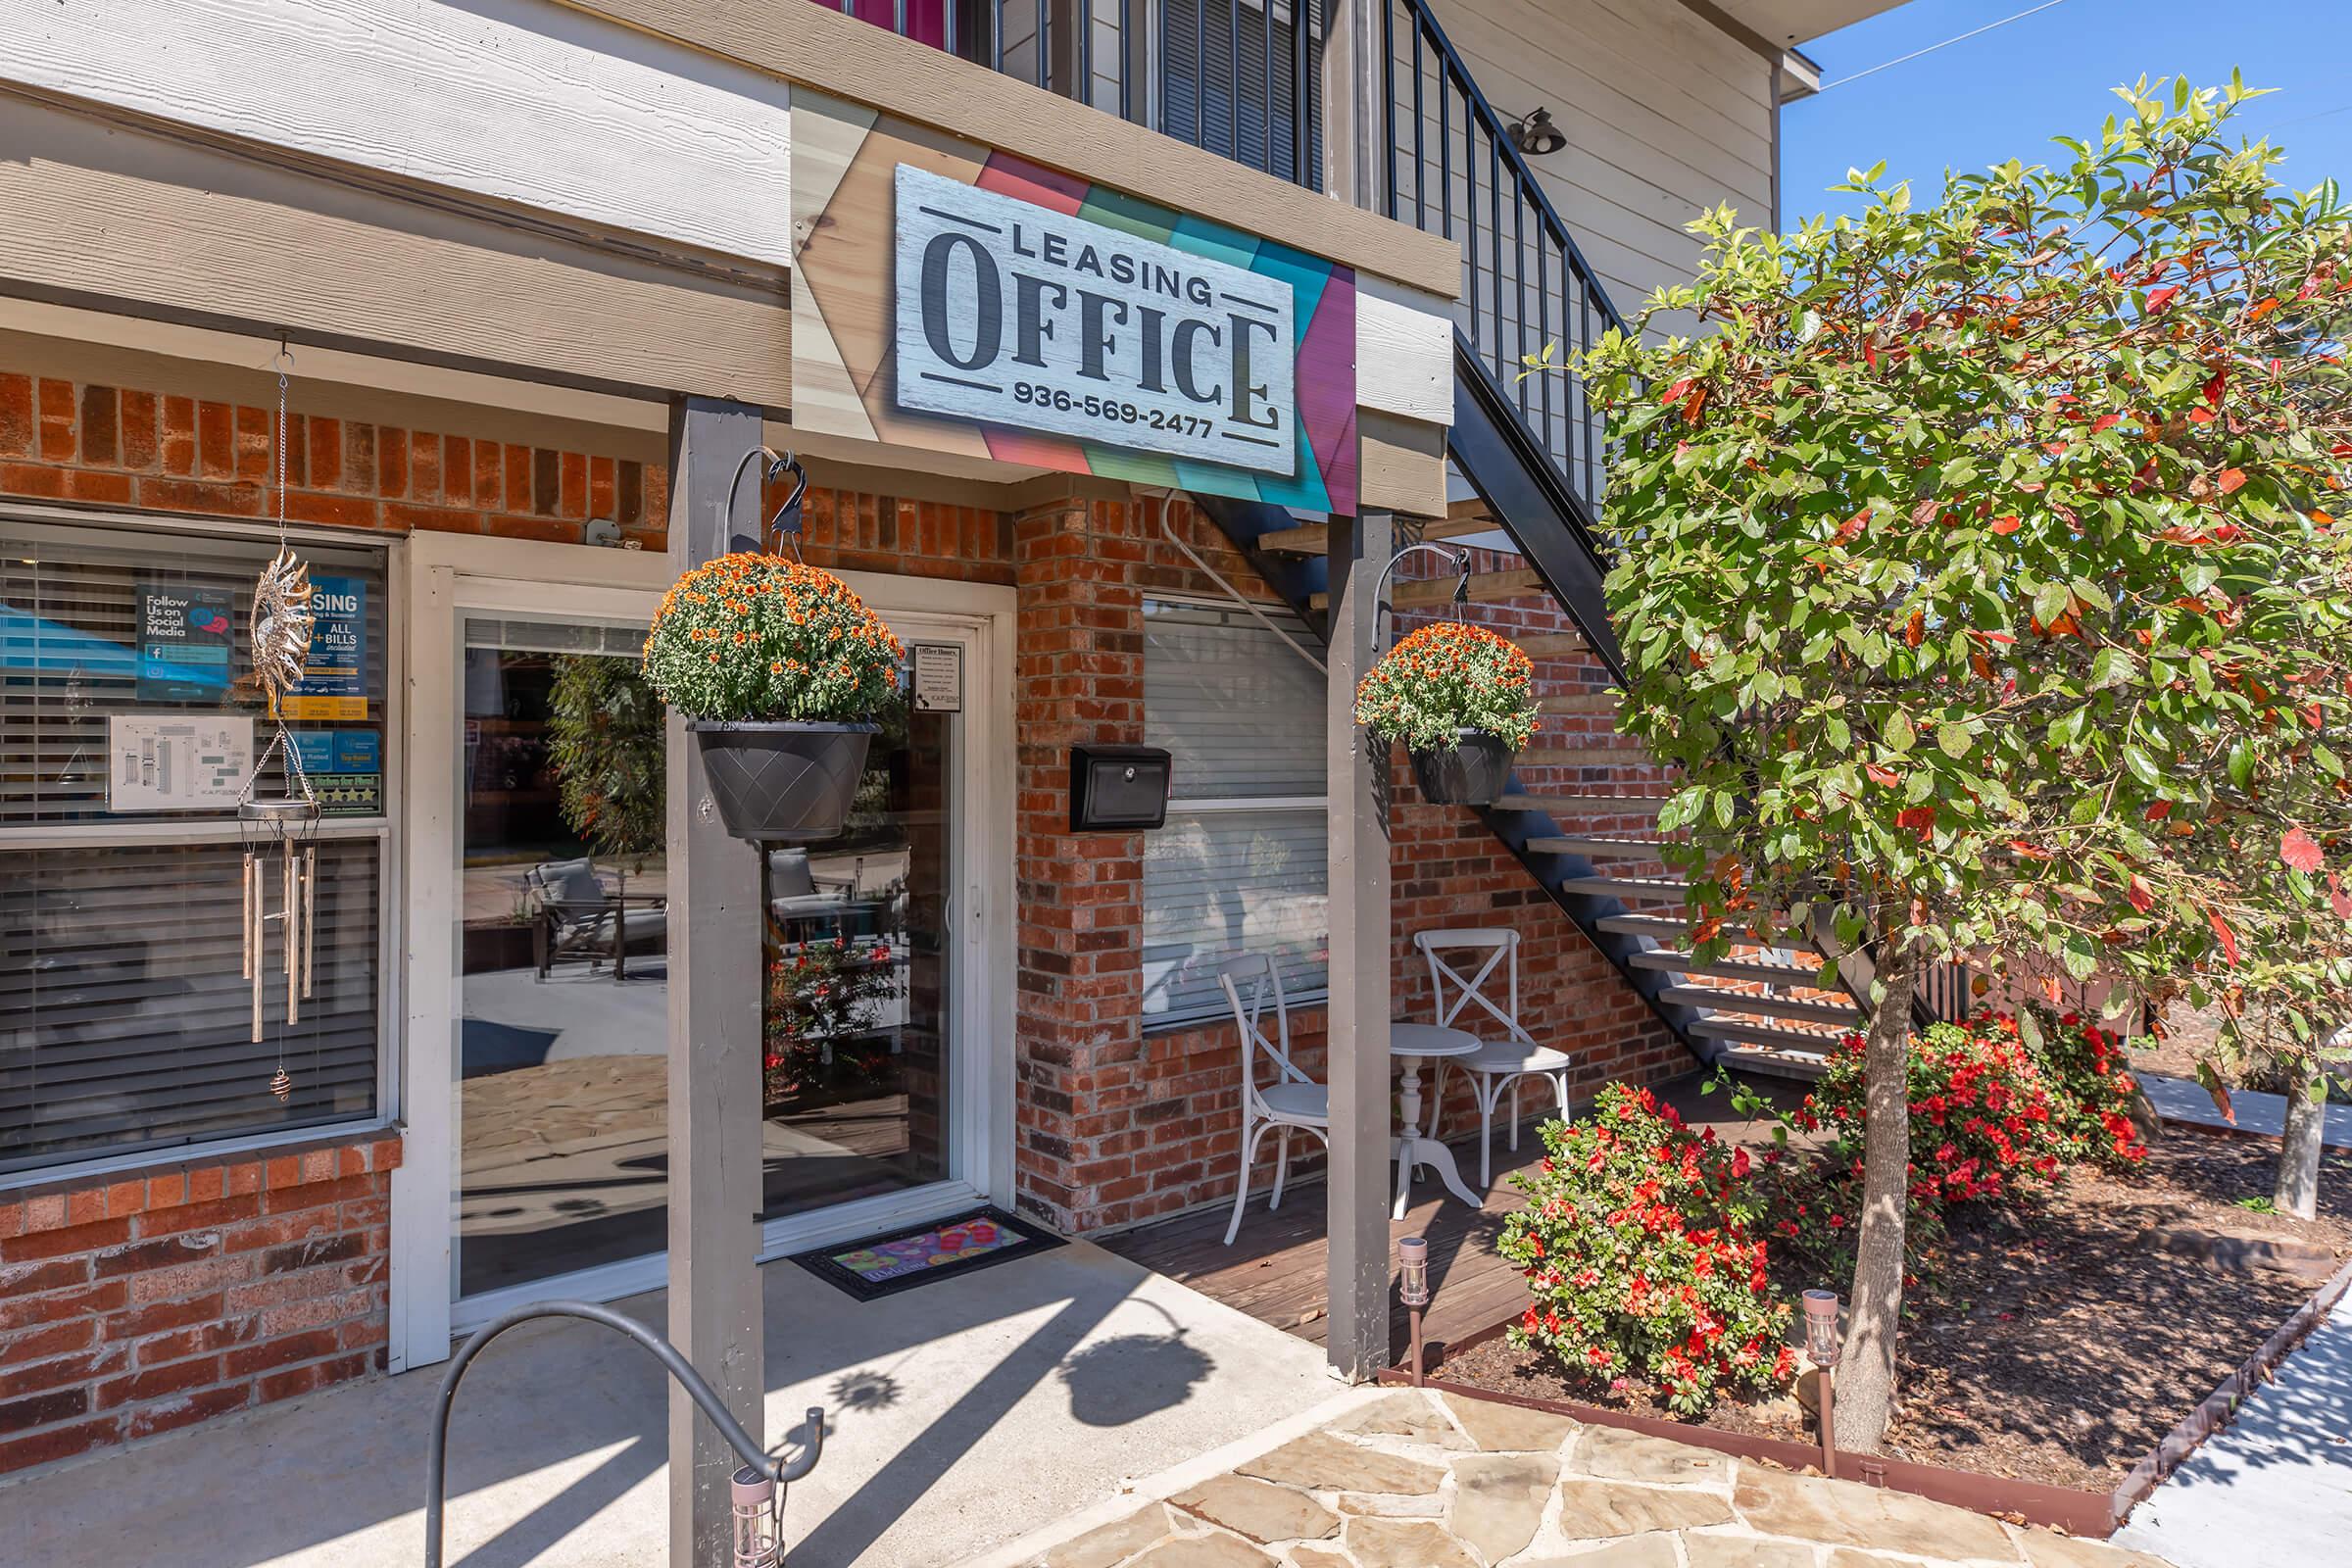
<point x="1242" y="79"/>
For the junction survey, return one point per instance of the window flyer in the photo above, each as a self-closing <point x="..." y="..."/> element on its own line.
<point x="345" y="767"/>
<point x="334" y="681"/>
<point x="184" y="637"/>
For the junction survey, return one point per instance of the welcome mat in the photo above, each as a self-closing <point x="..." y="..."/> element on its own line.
<point x="902" y="1260"/>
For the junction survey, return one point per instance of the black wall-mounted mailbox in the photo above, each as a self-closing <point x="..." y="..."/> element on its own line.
<point x="1118" y="787"/>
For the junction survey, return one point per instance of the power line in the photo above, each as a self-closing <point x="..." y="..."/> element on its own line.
<point x="1972" y="32"/>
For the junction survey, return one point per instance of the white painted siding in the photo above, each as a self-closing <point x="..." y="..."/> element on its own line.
<point x="1665" y="115"/>
<point x="522" y="101"/>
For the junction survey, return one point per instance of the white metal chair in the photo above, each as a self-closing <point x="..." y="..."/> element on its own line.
<point x="1499" y="1063"/>
<point x="1292" y="1100"/>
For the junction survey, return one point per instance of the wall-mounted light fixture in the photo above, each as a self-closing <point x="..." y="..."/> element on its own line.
<point x="1533" y="133"/>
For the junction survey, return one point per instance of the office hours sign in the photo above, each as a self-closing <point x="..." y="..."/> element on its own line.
<point x="1016" y="315"/>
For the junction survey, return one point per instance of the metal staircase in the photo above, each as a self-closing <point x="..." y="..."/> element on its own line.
<point x="1583" y="814"/>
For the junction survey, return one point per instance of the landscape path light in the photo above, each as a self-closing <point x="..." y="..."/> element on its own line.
<point x="1821" y="1343"/>
<point x="1413" y="1289"/>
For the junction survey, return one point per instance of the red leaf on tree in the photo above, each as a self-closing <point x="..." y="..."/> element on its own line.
<point x="2231" y="479"/>
<point x="1881" y="775"/>
<point x="2105" y="421"/>
<point x="1694" y="405"/>
<point x="2262" y="310"/>
<point x="2215" y="386"/>
<point x="2300" y="851"/>
<point x="2139" y="895"/>
<point x="1852" y="527"/>
<point x="2220" y="929"/>
<point x="2158" y="810"/>
<point x="1915" y="629"/>
<point x="2027" y="851"/>
<point x="1674" y="393"/>
<point x="1920" y="819"/>
<point x="2005" y="524"/>
<point x="2158" y="298"/>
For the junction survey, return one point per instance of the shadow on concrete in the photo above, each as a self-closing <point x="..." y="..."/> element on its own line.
<point x="984" y="1408"/>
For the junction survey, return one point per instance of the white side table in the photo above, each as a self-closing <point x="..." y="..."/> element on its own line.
<point x="1412" y="1044"/>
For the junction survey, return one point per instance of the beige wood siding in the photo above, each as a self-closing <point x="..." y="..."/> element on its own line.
<point x="1665" y="115"/>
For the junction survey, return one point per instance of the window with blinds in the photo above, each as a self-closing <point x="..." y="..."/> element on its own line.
<point x="1239" y="78"/>
<point x="125" y="1019"/>
<point x="1240" y="865"/>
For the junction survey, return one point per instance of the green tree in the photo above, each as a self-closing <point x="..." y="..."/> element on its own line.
<point x="1977" y="569"/>
<point x="605" y="741"/>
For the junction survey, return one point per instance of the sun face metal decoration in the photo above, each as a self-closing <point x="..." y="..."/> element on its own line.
<point x="282" y="625"/>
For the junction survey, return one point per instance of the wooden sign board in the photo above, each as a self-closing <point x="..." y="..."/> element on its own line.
<point x="1126" y="340"/>
<point x="1013" y="314"/>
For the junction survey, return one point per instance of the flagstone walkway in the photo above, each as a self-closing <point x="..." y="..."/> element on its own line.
<point x="1413" y="1480"/>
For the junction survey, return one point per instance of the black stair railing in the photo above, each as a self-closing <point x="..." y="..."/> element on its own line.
<point x="1451" y="169"/>
<point x="1242" y="79"/>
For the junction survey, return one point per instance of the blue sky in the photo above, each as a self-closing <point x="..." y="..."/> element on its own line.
<point x="2005" y="94"/>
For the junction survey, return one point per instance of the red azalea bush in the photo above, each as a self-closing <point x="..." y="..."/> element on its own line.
<point x="1983" y="1119"/>
<point x="2091" y="1091"/>
<point x="1636" y="1245"/>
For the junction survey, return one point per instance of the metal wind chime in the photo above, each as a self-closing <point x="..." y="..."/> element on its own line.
<point x="280" y="823"/>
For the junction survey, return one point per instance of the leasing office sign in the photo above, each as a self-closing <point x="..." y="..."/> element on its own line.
<point x="1017" y="315"/>
<point x="1101" y="334"/>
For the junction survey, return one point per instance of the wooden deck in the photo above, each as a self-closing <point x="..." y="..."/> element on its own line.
<point x="1274" y="1270"/>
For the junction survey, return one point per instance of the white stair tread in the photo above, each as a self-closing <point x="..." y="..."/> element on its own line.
<point x="1840" y="1013"/>
<point x="1576" y="844"/>
<point x="1654" y="889"/>
<point x="1671" y="960"/>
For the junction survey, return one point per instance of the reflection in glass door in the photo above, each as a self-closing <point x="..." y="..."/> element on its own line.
<point x="561" y="1051"/>
<point x="564" y="1036"/>
<point x="855" y="1062"/>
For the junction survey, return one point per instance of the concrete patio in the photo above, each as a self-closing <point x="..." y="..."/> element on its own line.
<point x="963" y="1414"/>
<point x="1412" y="1479"/>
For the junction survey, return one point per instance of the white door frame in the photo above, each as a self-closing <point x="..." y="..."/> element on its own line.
<point x="451" y="573"/>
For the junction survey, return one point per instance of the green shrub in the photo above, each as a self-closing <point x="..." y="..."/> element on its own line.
<point x="1637" y="1248"/>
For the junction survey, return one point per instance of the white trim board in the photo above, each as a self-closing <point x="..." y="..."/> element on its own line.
<point x="515" y="100"/>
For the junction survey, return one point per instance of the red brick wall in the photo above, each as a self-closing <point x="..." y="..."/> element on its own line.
<point x="1114" y="1125"/>
<point x="154" y="1299"/>
<point x="1117" y="1124"/>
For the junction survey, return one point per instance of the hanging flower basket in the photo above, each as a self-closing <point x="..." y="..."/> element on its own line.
<point x="1458" y="697"/>
<point x="782" y="673"/>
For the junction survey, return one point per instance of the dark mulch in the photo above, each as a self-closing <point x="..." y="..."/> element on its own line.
<point x="2062" y="1344"/>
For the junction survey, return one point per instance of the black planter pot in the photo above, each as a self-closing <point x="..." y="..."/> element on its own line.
<point x="782" y="783"/>
<point x="1472" y="771"/>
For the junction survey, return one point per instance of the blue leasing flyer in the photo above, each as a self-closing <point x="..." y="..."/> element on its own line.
<point x="334" y="677"/>
<point x="184" y="636"/>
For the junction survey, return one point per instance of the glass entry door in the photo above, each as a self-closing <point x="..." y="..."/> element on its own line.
<point x="872" y="1097"/>
<point x="564" y="984"/>
<point x="856" y="1075"/>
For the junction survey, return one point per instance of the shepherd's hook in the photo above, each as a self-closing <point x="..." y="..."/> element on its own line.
<point x="775" y="1468"/>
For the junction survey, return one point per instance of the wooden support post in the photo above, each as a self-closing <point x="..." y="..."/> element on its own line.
<point x="714" y="995"/>
<point x="1359" y="1188"/>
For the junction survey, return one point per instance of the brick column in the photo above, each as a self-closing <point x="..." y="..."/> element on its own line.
<point x="1078" y="678"/>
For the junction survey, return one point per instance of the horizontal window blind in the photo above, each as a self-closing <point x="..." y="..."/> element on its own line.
<point x="125" y="1022"/>
<point x="1239" y="710"/>
<point x="1241" y="716"/>
<point x="71" y="651"/>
